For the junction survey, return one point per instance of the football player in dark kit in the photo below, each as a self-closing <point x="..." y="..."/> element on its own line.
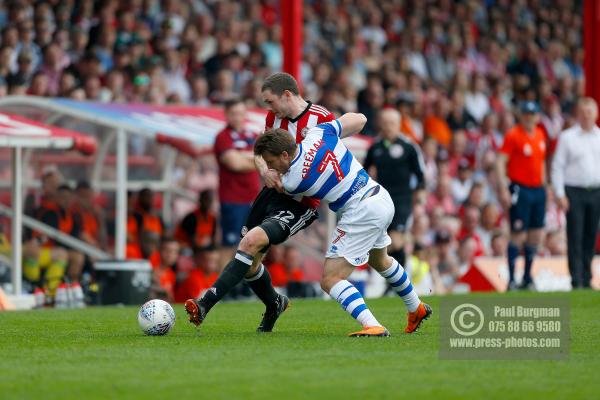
<point x="274" y="216"/>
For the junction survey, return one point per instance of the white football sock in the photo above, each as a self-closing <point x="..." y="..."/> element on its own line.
<point x="352" y="301"/>
<point x="398" y="280"/>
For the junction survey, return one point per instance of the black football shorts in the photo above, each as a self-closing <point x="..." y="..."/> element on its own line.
<point x="279" y="215"/>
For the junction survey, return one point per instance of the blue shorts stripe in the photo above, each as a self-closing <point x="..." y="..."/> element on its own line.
<point x="358" y="310"/>
<point x="406" y="290"/>
<point x="350" y="299"/>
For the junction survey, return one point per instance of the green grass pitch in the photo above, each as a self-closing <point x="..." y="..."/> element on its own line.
<point x="100" y="353"/>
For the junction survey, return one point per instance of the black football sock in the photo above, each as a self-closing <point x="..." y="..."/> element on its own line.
<point x="232" y="275"/>
<point x="529" y="252"/>
<point x="513" y="253"/>
<point x="261" y="285"/>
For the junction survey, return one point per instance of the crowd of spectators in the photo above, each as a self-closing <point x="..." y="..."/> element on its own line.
<point x="453" y="69"/>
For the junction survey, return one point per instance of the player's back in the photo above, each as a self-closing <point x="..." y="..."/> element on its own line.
<point x="310" y="117"/>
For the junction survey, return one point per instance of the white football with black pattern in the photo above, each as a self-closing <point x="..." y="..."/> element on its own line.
<point x="156" y="317"/>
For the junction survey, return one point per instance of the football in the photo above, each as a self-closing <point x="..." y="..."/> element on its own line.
<point x="156" y="317"/>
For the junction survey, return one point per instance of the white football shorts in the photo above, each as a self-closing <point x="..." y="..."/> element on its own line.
<point x="361" y="226"/>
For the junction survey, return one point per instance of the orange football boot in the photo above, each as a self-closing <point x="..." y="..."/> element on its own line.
<point x="371" y="331"/>
<point x="416" y="318"/>
<point x="195" y="311"/>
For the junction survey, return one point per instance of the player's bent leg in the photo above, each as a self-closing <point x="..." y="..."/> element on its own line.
<point x="231" y="275"/>
<point x="259" y="280"/>
<point x="397" y="278"/>
<point x="254" y="241"/>
<point x="335" y="284"/>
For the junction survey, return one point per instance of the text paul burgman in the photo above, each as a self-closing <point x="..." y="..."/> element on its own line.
<point x="526" y="312"/>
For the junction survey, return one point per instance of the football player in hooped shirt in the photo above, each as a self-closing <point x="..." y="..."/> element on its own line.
<point x="323" y="168"/>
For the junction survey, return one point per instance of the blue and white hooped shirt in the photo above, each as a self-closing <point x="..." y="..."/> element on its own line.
<point x="325" y="169"/>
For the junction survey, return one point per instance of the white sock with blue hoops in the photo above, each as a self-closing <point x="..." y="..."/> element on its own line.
<point x="352" y="301"/>
<point x="398" y="280"/>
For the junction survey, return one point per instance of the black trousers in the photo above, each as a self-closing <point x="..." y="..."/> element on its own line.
<point x="582" y="227"/>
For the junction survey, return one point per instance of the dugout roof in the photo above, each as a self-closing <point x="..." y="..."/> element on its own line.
<point x="18" y="133"/>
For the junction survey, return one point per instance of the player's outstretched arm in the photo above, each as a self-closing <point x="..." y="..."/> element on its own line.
<point x="352" y="123"/>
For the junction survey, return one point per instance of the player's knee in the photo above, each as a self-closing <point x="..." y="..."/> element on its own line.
<point x="254" y="241"/>
<point x="329" y="280"/>
<point x="518" y="238"/>
<point x="534" y="237"/>
<point x="276" y="231"/>
<point x="326" y="285"/>
<point x="379" y="261"/>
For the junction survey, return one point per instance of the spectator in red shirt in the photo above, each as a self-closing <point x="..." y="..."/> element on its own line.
<point x="490" y="223"/>
<point x="442" y="196"/>
<point x="468" y="230"/>
<point x="239" y="182"/>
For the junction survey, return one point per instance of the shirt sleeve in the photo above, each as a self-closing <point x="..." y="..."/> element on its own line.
<point x="559" y="163"/>
<point x="326" y="118"/>
<point x="417" y="165"/>
<point x="269" y="120"/>
<point x="223" y="143"/>
<point x="331" y="128"/>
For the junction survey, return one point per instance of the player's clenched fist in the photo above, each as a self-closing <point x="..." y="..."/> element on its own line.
<point x="273" y="180"/>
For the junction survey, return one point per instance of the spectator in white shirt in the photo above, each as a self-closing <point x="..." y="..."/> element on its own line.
<point x="576" y="182"/>
<point x="476" y="99"/>
<point x="461" y="184"/>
